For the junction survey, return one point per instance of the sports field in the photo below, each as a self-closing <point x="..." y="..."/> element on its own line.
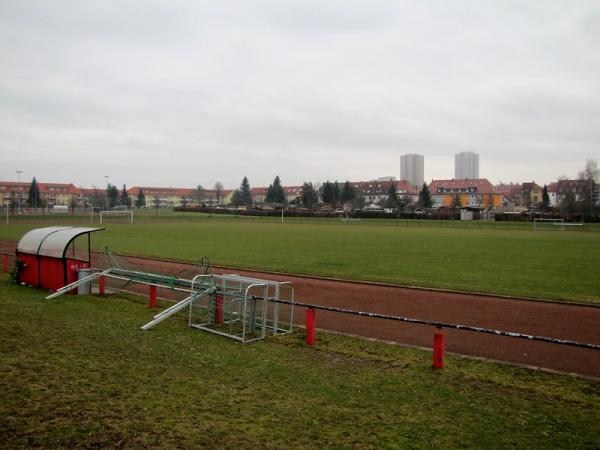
<point x="492" y="258"/>
<point x="77" y="372"/>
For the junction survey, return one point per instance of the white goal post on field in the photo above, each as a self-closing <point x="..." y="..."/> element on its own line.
<point x="104" y="214"/>
<point x="548" y="224"/>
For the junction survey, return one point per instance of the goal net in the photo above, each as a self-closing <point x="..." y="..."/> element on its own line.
<point x="116" y="216"/>
<point x="548" y="224"/>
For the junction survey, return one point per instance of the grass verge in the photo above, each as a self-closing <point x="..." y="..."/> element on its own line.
<point x="78" y="372"/>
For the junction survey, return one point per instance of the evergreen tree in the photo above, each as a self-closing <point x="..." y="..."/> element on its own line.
<point x="337" y="194"/>
<point x="199" y="194"/>
<point x="245" y="193"/>
<point x="425" y="197"/>
<point x="140" y="201"/>
<point x="112" y="196"/>
<point x="124" y="199"/>
<point x="348" y="192"/>
<point x="328" y="194"/>
<point x="236" y="198"/>
<point x="308" y="195"/>
<point x="275" y="193"/>
<point x="33" y="197"/>
<point x="545" y="199"/>
<point x="392" y="196"/>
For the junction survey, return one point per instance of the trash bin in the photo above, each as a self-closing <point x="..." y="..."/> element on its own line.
<point x="84" y="288"/>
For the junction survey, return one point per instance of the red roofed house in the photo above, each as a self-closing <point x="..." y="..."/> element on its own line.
<point x="65" y="194"/>
<point x="259" y="194"/>
<point x="176" y="197"/>
<point x="13" y="192"/>
<point x="162" y="197"/>
<point x="377" y="191"/>
<point x="477" y="192"/>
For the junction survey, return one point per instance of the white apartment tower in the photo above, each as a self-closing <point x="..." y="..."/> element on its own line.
<point x="466" y="165"/>
<point x="411" y="169"/>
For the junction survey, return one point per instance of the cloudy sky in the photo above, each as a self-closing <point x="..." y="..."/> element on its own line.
<point x="177" y="93"/>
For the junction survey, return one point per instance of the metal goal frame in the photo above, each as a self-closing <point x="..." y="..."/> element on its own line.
<point x="241" y="308"/>
<point x="557" y="224"/>
<point x="127" y="212"/>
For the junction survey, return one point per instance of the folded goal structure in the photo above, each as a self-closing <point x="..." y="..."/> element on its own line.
<point x="242" y="308"/>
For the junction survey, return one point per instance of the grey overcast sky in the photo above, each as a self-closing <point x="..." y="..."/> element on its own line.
<point x="177" y="93"/>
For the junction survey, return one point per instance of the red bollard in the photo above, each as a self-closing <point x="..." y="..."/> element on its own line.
<point x="102" y="286"/>
<point x="310" y="326"/>
<point x="439" y="347"/>
<point x="219" y="309"/>
<point x="152" y="302"/>
<point x="4" y="263"/>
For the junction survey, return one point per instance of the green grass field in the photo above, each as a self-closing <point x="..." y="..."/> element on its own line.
<point x="551" y="265"/>
<point x="77" y="372"/>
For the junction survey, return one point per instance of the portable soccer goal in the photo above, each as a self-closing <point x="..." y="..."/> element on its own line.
<point x="548" y="224"/>
<point x="242" y="308"/>
<point x="117" y="216"/>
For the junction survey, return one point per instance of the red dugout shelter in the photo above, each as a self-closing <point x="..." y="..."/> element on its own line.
<point x="48" y="257"/>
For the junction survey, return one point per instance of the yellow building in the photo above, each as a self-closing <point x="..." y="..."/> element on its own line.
<point x="474" y="193"/>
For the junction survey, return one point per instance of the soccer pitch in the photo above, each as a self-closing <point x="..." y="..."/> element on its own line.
<point x="549" y="265"/>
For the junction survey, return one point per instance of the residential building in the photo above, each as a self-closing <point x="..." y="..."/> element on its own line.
<point x="176" y="197"/>
<point x="14" y="193"/>
<point x="476" y="193"/>
<point x="466" y="165"/>
<point x="531" y="195"/>
<point x="412" y="169"/>
<point x="377" y="191"/>
<point x="160" y="197"/>
<point x="581" y="189"/>
<point x="553" y="194"/>
<point x="511" y="193"/>
<point x="259" y="194"/>
<point x="292" y="192"/>
<point x="63" y="194"/>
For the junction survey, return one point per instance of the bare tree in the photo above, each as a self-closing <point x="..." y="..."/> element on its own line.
<point x="591" y="171"/>
<point x="199" y="194"/>
<point x="219" y="191"/>
<point x="590" y="176"/>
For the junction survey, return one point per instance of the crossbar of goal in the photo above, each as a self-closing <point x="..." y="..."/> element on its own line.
<point x="116" y="213"/>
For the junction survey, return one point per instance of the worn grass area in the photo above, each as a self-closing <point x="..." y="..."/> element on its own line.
<point x="77" y="372"/>
<point x="555" y="265"/>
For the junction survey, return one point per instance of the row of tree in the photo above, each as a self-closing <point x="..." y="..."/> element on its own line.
<point x="331" y="193"/>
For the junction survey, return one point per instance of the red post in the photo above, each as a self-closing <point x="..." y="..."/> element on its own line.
<point x="152" y="302"/>
<point x="310" y="326"/>
<point x="439" y="347"/>
<point x="4" y="263"/>
<point x="102" y="286"/>
<point x="219" y="309"/>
